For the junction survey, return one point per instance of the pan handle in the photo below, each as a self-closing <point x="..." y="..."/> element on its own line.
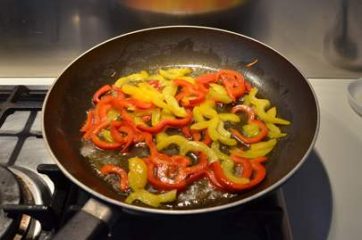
<point x="91" y="222"/>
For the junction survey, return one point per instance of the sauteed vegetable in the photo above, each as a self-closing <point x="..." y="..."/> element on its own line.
<point x="194" y="127"/>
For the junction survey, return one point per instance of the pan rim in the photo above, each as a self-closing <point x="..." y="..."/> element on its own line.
<point x="118" y="203"/>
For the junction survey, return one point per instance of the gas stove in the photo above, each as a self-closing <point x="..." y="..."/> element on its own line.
<point x="37" y="199"/>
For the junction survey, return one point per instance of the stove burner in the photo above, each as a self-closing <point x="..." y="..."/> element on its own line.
<point x="9" y="194"/>
<point x="31" y="192"/>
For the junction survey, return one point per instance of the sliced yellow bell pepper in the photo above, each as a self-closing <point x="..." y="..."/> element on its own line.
<point x="185" y="146"/>
<point x="186" y="78"/>
<point x="215" y="129"/>
<point x="251" y="130"/>
<point x="207" y="109"/>
<point x="260" y="106"/>
<point x="137" y="175"/>
<point x="157" y="77"/>
<point x="274" y="131"/>
<point x="228" y="169"/>
<point x="214" y="126"/>
<point x="231" y="117"/>
<point x="215" y="146"/>
<point x="222" y="131"/>
<point x="155" y="117"/>
<point x="218" y="94"/>
<point x="151" y="199"/>
<point x="169" y="93"/>
<point x="256" y="150"/>
<point x="135" y="77"/>
<point x="196" y="113"/>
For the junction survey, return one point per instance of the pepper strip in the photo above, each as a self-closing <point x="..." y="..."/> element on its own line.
<point x="259" y="175"/>
<point x="165" y="123"/>
<point x="101" y="143"/>
<point x="244" y="108"/>
<point x="100" y="92"/>
<point x="162" y="181"/>
<point x="256" y="150"/>
<point x="187" y="146"/>
<point x="260" y="107"/>
<point x="190" y="94"/>
<point x="218" y="93"/>
<point x="233" y="81"/>
<point x="137" y="175"/>
<point x="200" y="166"/>
<point x="151" y="199"/>
<point x="211" y="176"/>
<point x="88" y="125"/>
<point x="263" y="132"/>
<point x="137" y="178"/>
<point x="207" y="78"/>
<point x="123" y="177"/>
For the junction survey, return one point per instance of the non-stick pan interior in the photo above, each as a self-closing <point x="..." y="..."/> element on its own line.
<point x="278" y="80"/>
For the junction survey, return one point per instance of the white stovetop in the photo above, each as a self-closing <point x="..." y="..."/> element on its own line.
<point x="325" y="196"/>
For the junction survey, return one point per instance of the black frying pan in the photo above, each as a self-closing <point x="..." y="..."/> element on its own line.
<point x="277" y="79"/>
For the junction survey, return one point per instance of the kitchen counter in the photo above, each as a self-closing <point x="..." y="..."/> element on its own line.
<point x="324" y="197"/>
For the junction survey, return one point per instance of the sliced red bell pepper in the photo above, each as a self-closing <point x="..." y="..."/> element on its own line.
<point x="150" y="144"/>
<point x="191" y="94"/>
<point x="177" y="122"/>
<point x="207" y="139"/>
<point x="102" y="108"/>
<point x="233" y="82"/>
<point x="128" y="138"/>
<point x="120" y="103"/>
<point x="138" y="103"/>
<point x="88" y="122"/>
<point x="160" y="158"/>
<point x="196" y="135"/>
<point x="245" y="163"/>
<point x="123" y="134"/>
<point x="155" y="83"/>
<point x="166" y="176"/>
<point x="122" y="174"/>
<point x="116" y="135"/>
<point x="186" y="131"/>
<point x="194" y="177"/>
<point x="207" y="78"/>
<point x="211" y="176"/>
<point x="118" y="92"/>
<point x="100" y="92"/>
<point x="102" y="143"/>
<point x="259" y="173"/>
<point x="263" y="132"/>
<point x="244" y="108"/>
<point x="248" y="86"/>
<point x="88" y="125"/>
<point x="200" y="166"/>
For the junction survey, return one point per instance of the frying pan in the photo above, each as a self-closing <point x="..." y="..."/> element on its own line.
<point x="200" y="47"/>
